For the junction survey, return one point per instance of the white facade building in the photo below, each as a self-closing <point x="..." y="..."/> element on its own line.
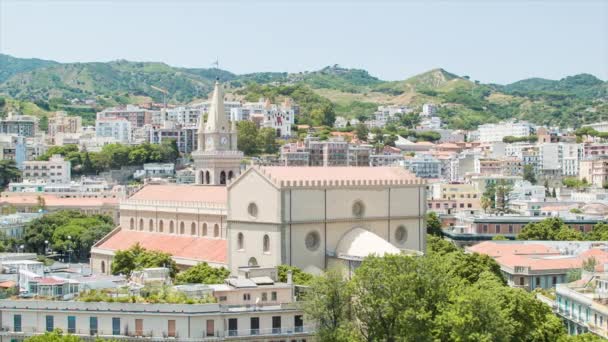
<point x="55" y="170"/>
<point x="119" y="129"/>
<point x="496" y="132"/>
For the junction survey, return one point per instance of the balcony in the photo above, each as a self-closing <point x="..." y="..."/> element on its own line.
<point x="286" y="331"/>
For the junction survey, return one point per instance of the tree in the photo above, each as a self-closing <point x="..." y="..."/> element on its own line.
<point x="361" y="131"/>
<point x="327" y="302"/>
<point x="8" y="171"/>
<point x="433" y="224"/>
<point x="549" y="229"/>
<point x="299" y="277"/>
<point x="599" y="232"/>
<point x="203" y="274"/>
<point x="499" y="238"/>
<point x="137" y="258"/>
<point x="267" y="140"/>
<point x="397" y="297"/>
<point x="502" y="196"/>
<point x="87" y="164"/>
<point x="247" y="137"/>
<point x="54" y="336"/>
<point x="529" y="173"/>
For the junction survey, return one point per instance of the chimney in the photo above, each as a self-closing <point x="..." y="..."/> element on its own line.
<point x="289" y="277"/>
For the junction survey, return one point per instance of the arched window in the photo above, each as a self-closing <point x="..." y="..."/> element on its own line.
<point x="240" y="241"/>
<point x="151" y="225"/>
<point x="103" y="267"/>
<point x="266" y="243"/>
<point x="202" y="177"/>
<point x="141" y="224"/>
<point x="223" y="177"/>
<point x="171" y="227"/>
<point x="205" y="229"/>
<point x="216" y="230"/>
<point x="160" y="226"/>
<point x="230" y="175"/>
<point x="182" y="228"/>
<point x="207" y="178"/>
<point x="132" y="224"/>
<point x="253" y="262"/>
<point x="193" y="229"/>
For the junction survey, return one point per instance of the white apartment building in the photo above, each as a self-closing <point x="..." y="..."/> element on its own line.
<point x="496" y="132"/>
<point x="599" y="126"/>
<point x="429" y="109"/>
<point x="117" y="128"/>
<point x="185" y="115"/>
<point x="55" y="170"/>
<point x="560" y="158"/>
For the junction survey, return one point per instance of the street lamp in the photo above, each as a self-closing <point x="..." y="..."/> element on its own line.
<point x="46" y="247"/>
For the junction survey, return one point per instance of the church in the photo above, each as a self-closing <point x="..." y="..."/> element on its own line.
<point x="309" y="217"/>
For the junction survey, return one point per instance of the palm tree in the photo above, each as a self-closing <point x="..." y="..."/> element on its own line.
<point x="8" y="171"/>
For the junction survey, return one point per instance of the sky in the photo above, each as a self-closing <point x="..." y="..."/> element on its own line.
<point x="491" y="41"/>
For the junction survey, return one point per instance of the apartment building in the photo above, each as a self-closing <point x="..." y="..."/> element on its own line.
<point x="496" y="132"/>
<point x="594" y="171"/>
<point x="583" y="304"/>
<point x="117" y="128"/>
<point x="184" y="136"/>
<point x="540" y="264"/>
<point x="423" y="166"/>
<point x="55" y="170"/>
<point x="21" y="125"/>
<point x="450" y="198"/>
<point x="138" y="117"/>
<point x="63" y="123"/>
<point x="258" y="320"/>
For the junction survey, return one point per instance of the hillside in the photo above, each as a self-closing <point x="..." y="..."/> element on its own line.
<point x="322" y="94"/>
<point x="115" y="79"/>
<point x="10" y="66"/>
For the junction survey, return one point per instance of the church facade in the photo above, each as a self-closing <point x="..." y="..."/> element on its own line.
<point x="319" y="217"/>
<point x="217" y="159"/>
<point x="309" y="217"/>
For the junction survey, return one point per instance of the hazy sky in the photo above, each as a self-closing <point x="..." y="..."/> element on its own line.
<point x="491" y="41"/>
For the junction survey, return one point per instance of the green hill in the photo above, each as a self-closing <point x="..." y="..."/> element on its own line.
<point x="330" y="91"/>
<point x="10" y="66"/>
<point x="115" y="79"/>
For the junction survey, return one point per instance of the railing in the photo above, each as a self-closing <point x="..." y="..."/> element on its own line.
<point x="149" y="334"/>
<point x="180" y="204"/>
<point x="271" y="331"/>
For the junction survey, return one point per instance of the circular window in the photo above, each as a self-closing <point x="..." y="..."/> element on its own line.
<point x="252" y="209"/>
<point x="312" y="241"/>
<point x="358" y="209"/>
<point x="401" y="234"/>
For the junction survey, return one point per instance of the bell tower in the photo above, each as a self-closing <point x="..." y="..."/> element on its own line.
<point x="216" y="159"/>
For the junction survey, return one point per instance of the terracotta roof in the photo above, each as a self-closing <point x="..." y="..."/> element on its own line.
<point x="182" y="193"/>
<point x="186" y="247"/>
<point x="48" y="281"/>
<point x="494" y="249"/>
<point x="550" y="262"/>
<point x="54" y="201"/>
<point x="336" y="173"/>
<point x="8" y="284"/>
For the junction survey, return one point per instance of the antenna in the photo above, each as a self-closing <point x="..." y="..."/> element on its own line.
<point x="217" y="68"/>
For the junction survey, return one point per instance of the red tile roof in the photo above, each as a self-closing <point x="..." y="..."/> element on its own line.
<point x="49" y="281"/>
<point x="338" y="173"/>
<point x="182" y="193"/>
<point x="54" y="201"/>
<point x="494" y="249"/>
<point x="537" y="256"/>
<point x="186" y="247"/>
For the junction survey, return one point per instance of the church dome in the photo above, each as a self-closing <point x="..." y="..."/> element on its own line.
<point x="358" y="243"/>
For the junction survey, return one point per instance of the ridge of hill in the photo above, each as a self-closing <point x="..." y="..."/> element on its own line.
<point x="330" y="91"/>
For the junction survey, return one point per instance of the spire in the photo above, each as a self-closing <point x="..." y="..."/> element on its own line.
<point x="216" y="118"/>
